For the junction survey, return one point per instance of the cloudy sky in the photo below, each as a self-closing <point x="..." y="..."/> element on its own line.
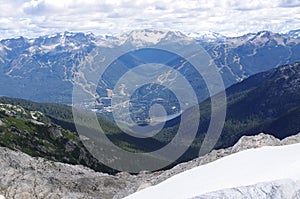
<point x="32" y="18"/>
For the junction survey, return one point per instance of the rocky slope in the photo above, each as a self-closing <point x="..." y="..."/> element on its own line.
<point x="23" y="176"/>
<point x="35" y="134"/>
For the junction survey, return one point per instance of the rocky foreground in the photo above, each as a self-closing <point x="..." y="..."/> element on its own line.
<point x="23" y="176"/>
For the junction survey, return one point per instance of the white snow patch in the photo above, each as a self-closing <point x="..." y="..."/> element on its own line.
<point x="206" y="35"/>
<point x="52" y="35"/>
<point x="241" y="169"/>
<point x="33" y="49"/>
<point x="48" y="48"/>
<point x="8" y="48"/>
<point x="69" y="34"/>
<point x="148" y="36"/>
<point x="31" y="41"/>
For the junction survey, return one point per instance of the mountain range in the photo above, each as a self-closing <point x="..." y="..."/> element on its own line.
<point x="265" y="102"/>
<point x="257" y="104"/>
<point x="43" y="69"/>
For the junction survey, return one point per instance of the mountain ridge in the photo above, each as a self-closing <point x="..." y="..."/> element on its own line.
<point x="43" y="69"/>
<point x="257" y="104"/>
<point x="201" y="34"/>
<point x="260" y="104"/>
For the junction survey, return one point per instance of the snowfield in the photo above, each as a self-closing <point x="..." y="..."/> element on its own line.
<point x="245" y="168"/>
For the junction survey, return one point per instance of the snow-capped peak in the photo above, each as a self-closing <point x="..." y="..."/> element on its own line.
<point x="294" y="33"/>
<point x="207" y="36"/>
<point x="263" y="34"/>
<point x="149" y="36"/>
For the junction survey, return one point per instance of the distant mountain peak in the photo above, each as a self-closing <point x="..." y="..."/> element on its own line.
<point x="150" y="36"/>
<point x="207" y="35"/>
<point x="294" y="33"/>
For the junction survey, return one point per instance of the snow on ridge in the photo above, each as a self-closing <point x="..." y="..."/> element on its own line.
<point x="241" y="169"/>
<point x="149" y="36"/>
<point x="293" y="33"/>
<point x="207" y="35"/>
<point x="48" y="48"/>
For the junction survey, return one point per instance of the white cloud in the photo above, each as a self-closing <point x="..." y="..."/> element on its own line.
<point x="35" y="17"/>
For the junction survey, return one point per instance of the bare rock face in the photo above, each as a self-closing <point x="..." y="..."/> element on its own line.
<point x="1" y="123"/>
<point x="249" y="142"/>
<point x="287" y="189"/>
<point x="291" y="140"/>
<point x="55" y="132"/>
<point x="25" y="177"/>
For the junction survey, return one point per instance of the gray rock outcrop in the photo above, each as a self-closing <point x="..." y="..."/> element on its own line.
<point x="291" y="140"/>
<point x="25" y="177"/>
<point x="1" y="123"/>
<point x="250" y="142"/>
